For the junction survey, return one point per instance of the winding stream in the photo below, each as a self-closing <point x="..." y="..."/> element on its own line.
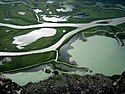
<point x="22" y="78"/>
<point x="80" y="27"/>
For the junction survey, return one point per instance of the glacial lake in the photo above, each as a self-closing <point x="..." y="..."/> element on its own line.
<point x="100" y="54"/>
<point x="22" y="78"/>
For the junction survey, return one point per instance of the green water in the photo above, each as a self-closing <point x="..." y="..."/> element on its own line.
<point x="23" y="78"/>
<point x="100" y="54"/>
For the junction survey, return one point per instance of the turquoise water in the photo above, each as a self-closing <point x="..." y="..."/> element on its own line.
<point x="100" y="54"/>
<point x="23" y="78"/>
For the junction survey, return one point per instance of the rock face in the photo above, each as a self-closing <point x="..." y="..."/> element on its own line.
<point x="68" y="84"/>
<point x="72" y="84"/>
<point x="120" y="84"/>
<point x="9" y="87"/>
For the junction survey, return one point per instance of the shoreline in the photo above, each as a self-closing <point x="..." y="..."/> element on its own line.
<point x="67" y="84"/>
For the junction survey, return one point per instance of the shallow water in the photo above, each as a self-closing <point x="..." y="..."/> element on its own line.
<point x="37" y="10"/>
<point x="21" y="13"/>
<point x="66" y="8"/>
<point x="55" y="18"/>
<point x="49" y="1"/>
<point x="23" y="78"/>
<point x="100" y="54"/>
<point x="26" y="39"/>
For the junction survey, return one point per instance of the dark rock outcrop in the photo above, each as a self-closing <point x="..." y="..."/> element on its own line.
<point x="72" y="84"/>
<point x="120" y="84"/>
<point x="68" y="84"/>
<point x="9" y="87"/>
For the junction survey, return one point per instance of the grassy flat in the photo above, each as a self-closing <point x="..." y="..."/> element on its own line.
<point x="27" y="61"/>
<point x="6" y="39"/>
